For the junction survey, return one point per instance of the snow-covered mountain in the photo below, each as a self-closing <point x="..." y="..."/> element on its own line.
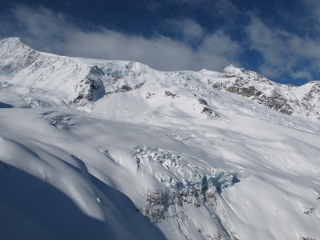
<point x="287" y="99"/>
<point x="81" y="81"/>
<point x="99" y="149"/>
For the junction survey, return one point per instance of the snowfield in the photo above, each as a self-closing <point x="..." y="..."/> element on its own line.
<point x="97" y="149"/>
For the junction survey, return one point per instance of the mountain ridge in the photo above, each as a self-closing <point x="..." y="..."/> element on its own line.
<point x="82" y="81"/>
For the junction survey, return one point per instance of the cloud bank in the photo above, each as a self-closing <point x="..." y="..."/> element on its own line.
<point x="53" y="32"/>
<point x="284" y="54"/>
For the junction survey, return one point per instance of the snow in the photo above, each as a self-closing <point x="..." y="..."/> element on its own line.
<point x="148" y="162"/>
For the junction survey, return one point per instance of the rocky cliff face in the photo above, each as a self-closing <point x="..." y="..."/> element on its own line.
<point x="287" y="99"/>
<point x="90" y="88"/>
<point x="311" y="101"/>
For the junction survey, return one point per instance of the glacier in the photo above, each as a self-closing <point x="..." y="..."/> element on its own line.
<point x="105" y="149"/>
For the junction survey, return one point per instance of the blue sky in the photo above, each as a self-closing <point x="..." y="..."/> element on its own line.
<point x="279" y="39"/>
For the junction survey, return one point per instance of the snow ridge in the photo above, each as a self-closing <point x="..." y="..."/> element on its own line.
<point x="92" y="79"/>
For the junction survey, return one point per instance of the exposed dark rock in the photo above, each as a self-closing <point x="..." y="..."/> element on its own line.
<point x="276" y="102"/>
<point x="312" y="99"/>
<point x="206" y="109"/>
<point x="125" y="88"/>
<point x="308" y="210"/>
<point x="244" y="85"/>
<point x="202" y="101"/>
<point x="150" y="95"/>
<point x="91" y="88"/>
<point x="170" y="94"/>
<point x="217" y="85"/>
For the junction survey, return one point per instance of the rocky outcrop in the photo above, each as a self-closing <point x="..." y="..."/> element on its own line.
<point x="311" y="101"/>
<point x="279" y="97"/>
<point x="276" y="102"/>
<point x="90" y="88"/>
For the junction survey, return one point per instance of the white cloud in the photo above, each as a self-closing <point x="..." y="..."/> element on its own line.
<point x="50" y="31"/>
<point x="283" y="51"/>
<point x="303" y="17"/>
<point x="313" y="14"/>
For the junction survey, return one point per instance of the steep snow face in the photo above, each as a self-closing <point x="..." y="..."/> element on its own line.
<point x="15" y="56"/>
<point x="155" y="155"/>
<point x="74" y="81"/>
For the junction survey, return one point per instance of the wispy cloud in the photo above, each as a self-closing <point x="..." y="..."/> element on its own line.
<point x="189" y="45"/>
<point x="284" y="53"/>
<point x="312" y="18"/>
<point x="50" y="31"/>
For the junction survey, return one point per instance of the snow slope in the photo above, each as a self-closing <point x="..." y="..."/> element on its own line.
<point x="140" y="154"/>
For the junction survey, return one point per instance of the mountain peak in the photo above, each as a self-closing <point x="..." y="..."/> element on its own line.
<point x="12" y="44"/>
<point x="12" y="41"/>
<point x="232" y="70"/>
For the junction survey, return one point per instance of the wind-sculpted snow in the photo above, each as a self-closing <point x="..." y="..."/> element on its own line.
<point x="213" y="181"/>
